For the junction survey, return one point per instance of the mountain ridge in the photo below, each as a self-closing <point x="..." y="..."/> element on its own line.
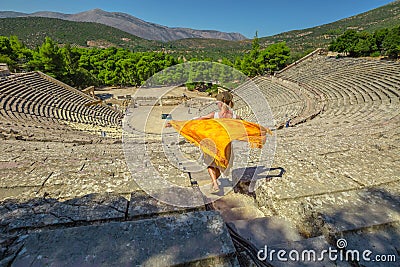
<point x="132" y="25"/>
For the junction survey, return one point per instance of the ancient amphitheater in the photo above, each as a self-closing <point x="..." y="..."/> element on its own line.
<point x="68" y="197"/>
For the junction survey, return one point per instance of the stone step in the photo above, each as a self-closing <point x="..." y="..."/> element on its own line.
<point x="189" y="166"/>
<point x="382" y="241"/>
<point x="195" y="238"/>
<point x="339" y="212"/>
<point x="42" y="213"/>
<point x="366" y="219"/>
<point x="201" y="176"/>
<point x="235" y="206"/>
<point x="266" y="231"/>
<point x="142" y="205"/>
<point x="241" y="213"/>
<point x="370" y="208"/>
<point x="234" y="200"/>
<point x="39" y="213"/>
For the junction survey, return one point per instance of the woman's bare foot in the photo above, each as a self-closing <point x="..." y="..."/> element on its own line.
<point x="215" y="187"/>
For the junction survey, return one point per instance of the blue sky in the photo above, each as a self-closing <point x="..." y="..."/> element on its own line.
<point x="267" y="17"/>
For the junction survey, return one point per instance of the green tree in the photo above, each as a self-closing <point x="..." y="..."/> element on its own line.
<point x="366" y="45"/>
<point x="74" y="74"/>
<point x="273" y="58"/>
<point x="379" y="36"/>
<point x="49" y="59"/>
<point x="345" y="43"/>
<point x="391" y="43"/>
<point x="6" y="52"/>
<point x="249" y="64"/>
<point x="80" y="67"/>
<point x="14" y="53"/>
<point x="5" y="46"/>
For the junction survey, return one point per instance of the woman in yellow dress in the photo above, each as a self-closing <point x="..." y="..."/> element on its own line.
<point x="225" y="105"/>
<point x="214" y="132"/>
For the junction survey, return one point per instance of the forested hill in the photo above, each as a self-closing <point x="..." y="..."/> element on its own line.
<point x="33" y="30"/>
<point x="387" y="16"/>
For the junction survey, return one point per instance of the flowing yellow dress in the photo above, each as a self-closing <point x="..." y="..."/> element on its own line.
<point x="213" y="136"/>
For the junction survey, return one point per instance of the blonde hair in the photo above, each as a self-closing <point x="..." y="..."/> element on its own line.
<point x="226" y="98"/>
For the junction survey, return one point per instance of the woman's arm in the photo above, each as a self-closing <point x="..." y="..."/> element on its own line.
<point x="205" y="117"/>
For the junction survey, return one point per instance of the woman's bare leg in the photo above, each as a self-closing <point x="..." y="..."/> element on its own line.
<point x="214" y="174"/>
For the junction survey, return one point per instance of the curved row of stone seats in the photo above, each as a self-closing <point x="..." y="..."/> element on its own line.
<point x="321" y="66"/>
<point x="286" y="101"/>
<point x="248" y="102"/>
<point x="32" y="119"/>
<point x="39" y="80"/>
<point x="346" y="101"/>
<point x="77" y="163"/>
<point x="35" y="128"/>
<point x="20" y="106"/>
<point x="326" y="164"/>
<point x="312" y="100"/>
<point x="383" y="72"/>
<point x="56" y="96"/>
<point x="36" y="94"/>
<point x="354" y="89"/>
<point x="376" y="87"/>
<point x="367" y="97"/>
<point x="277" y="94"/>
<point x="73" y="96"/>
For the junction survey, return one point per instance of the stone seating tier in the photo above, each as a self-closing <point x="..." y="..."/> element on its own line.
<point x="354" y="89"/>
<point x="35" y="97"/>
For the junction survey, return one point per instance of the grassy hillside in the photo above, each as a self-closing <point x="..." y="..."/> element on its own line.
<point x="33" y="30"/>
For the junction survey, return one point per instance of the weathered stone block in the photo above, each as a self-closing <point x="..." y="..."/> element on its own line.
<point x="198" y="238"/>
<point x="46" y="212"/>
